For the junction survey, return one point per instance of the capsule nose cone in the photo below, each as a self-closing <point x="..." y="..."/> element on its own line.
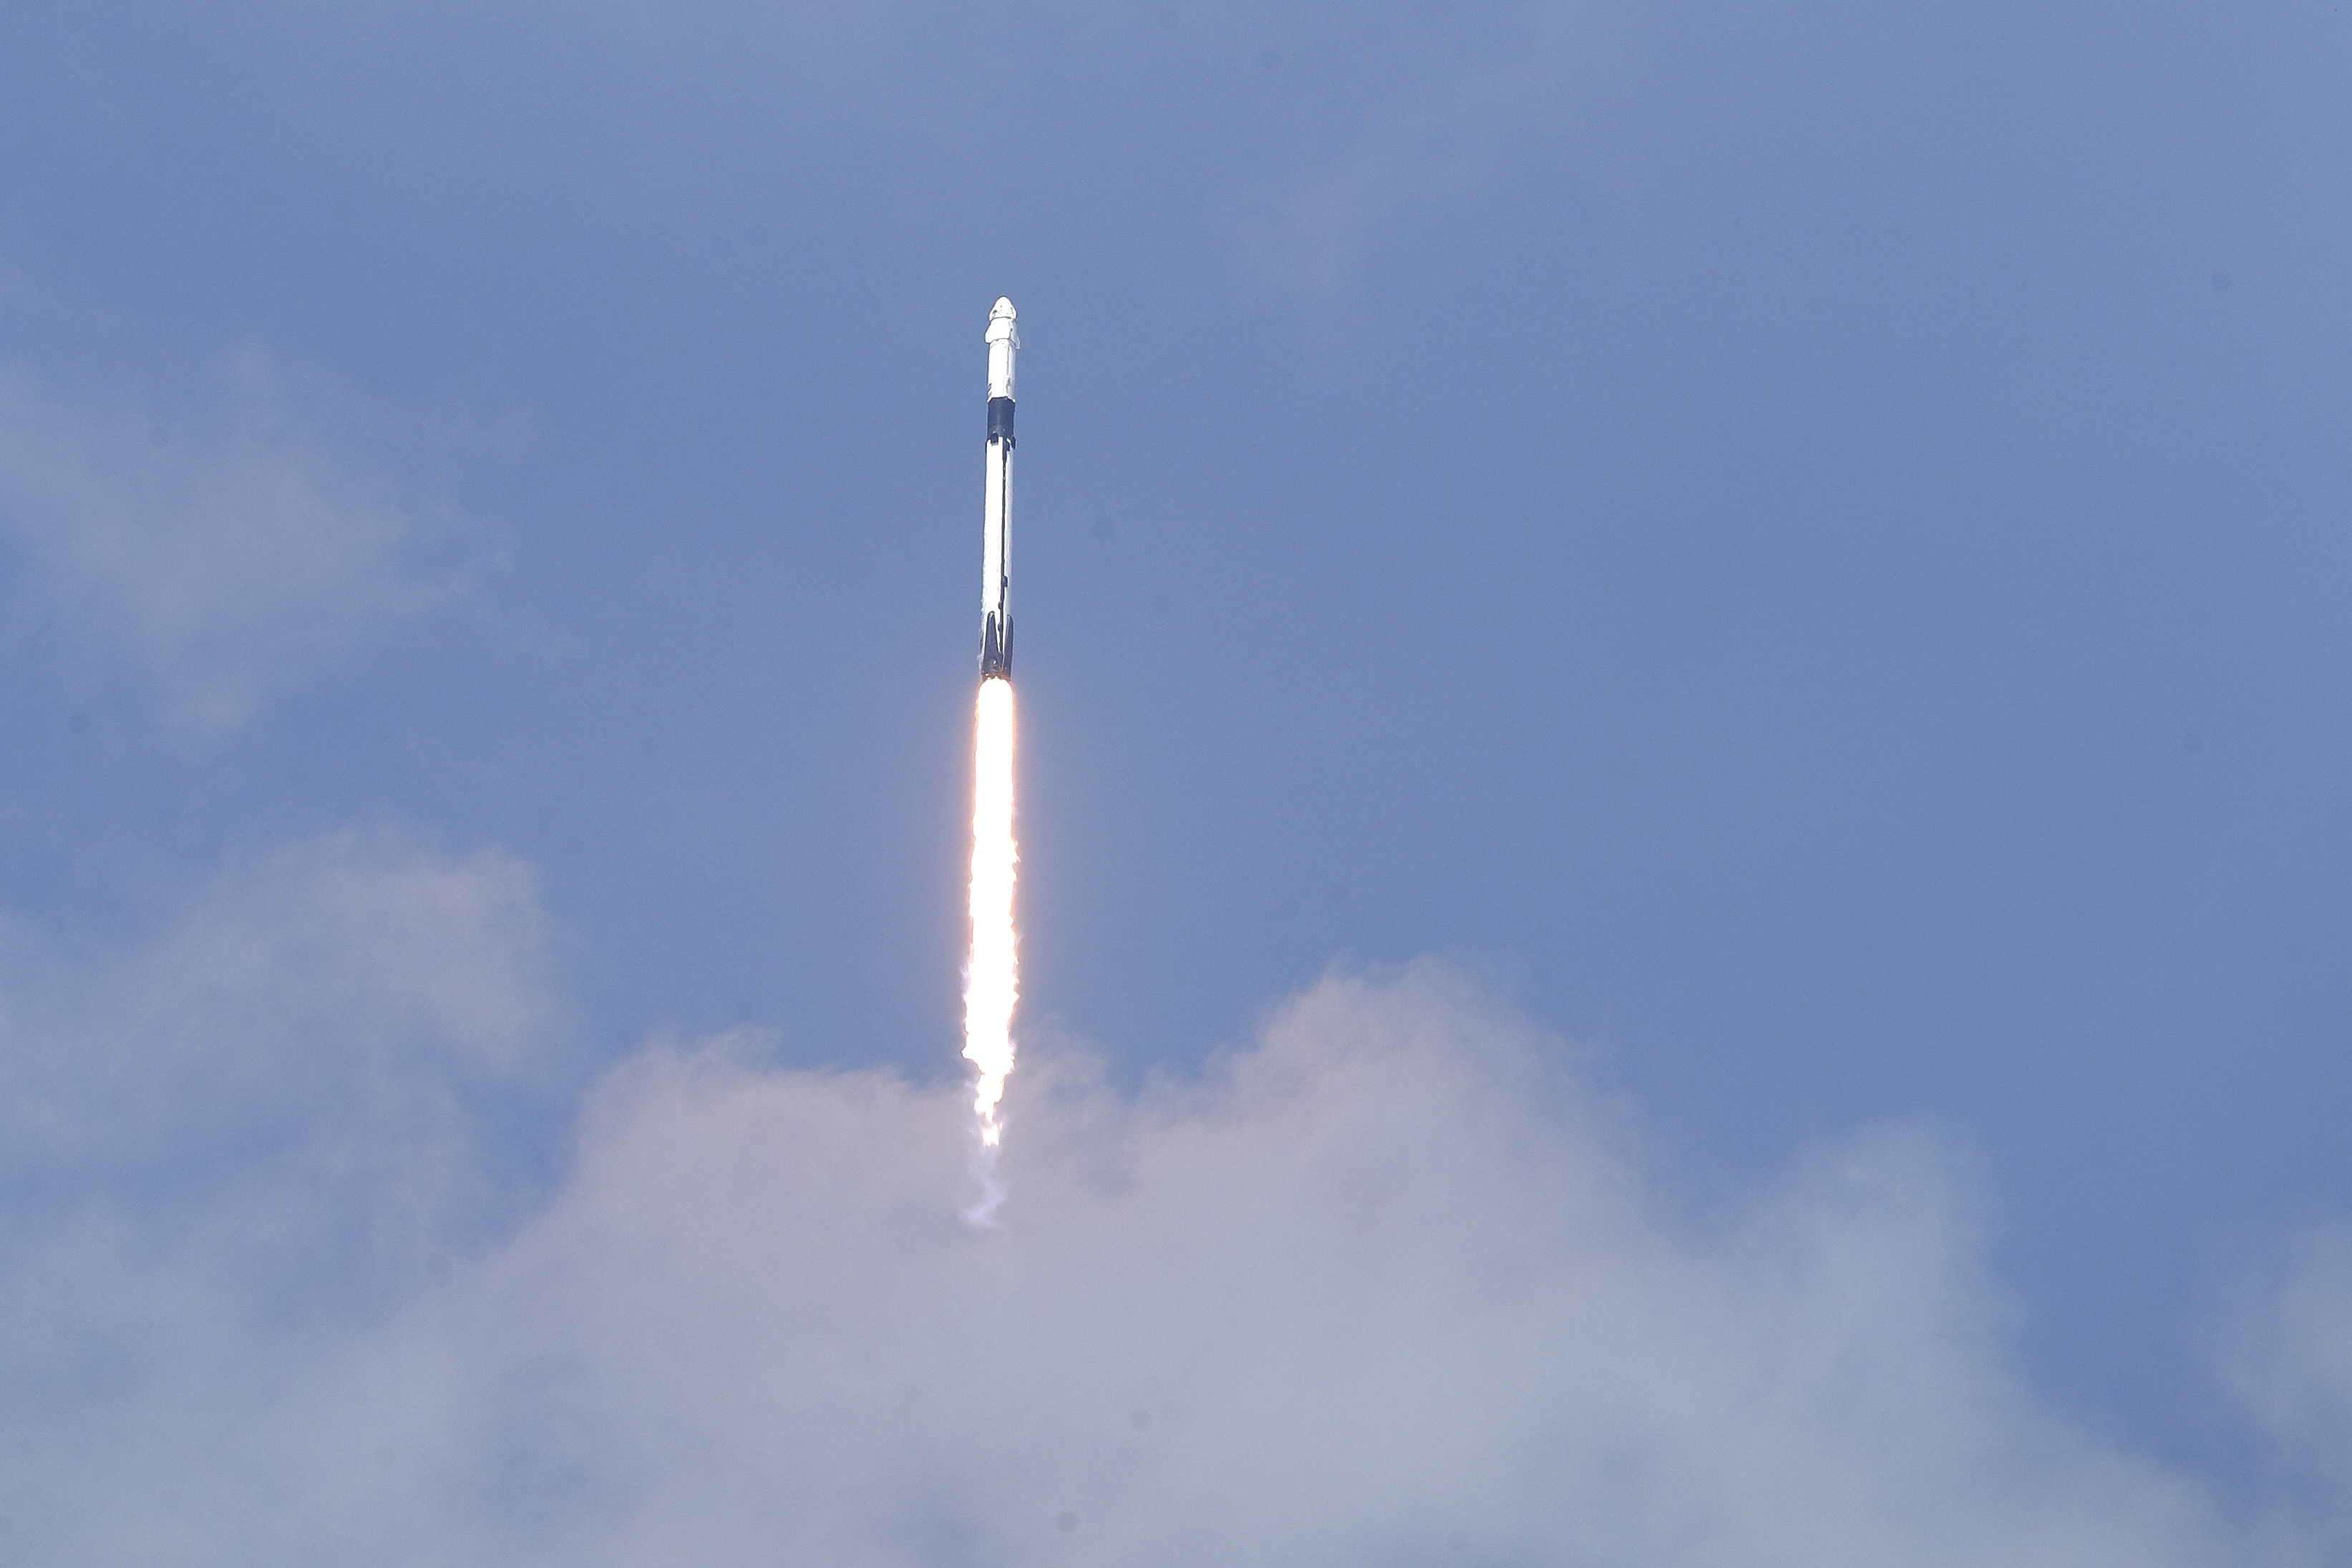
<point x="1002" y="330"/>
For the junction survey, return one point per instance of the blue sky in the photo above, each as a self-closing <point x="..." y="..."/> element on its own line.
<point x="1795" y="551"/>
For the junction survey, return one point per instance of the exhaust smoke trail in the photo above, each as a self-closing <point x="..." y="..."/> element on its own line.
<point x="993" y="979"/>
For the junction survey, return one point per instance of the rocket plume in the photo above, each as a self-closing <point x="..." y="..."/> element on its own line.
<point x="992" y="980"/>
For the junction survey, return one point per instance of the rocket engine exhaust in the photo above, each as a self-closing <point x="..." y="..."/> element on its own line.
<point x="993" y="979"/>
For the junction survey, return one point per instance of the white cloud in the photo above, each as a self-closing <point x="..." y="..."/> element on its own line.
<point x="227" y="555"/>
<point x="1387" y="1288"/>
<point x="230" y="1153"/>
<point x="2292" y="1363"/>
<point x="1378" y="1285"/>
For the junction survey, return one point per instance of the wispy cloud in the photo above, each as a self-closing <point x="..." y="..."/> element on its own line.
<point x="228" y="553"/>
<point x="314" y="1019"/>
<point x="1479" y="97"/>
<point x="2291" y="1361"/>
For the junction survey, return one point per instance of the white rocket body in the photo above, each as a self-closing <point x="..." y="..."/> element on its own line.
<point x="996" y="544"/>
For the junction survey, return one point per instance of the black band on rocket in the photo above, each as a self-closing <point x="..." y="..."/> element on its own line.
<point x="1000" y="420"/>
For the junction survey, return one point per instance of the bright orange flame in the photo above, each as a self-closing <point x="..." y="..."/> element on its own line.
<point x="992" y="983"/>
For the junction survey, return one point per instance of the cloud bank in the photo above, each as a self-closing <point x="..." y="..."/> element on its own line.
<point x="1387" y="1286"/>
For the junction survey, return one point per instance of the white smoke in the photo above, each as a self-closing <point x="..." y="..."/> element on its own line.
<point x="1386" y="1287"/>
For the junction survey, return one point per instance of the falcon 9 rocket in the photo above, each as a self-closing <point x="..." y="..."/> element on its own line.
<point x="996" y="547"/>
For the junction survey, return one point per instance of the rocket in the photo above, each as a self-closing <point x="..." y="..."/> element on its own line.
<point x="996" y="543"/>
